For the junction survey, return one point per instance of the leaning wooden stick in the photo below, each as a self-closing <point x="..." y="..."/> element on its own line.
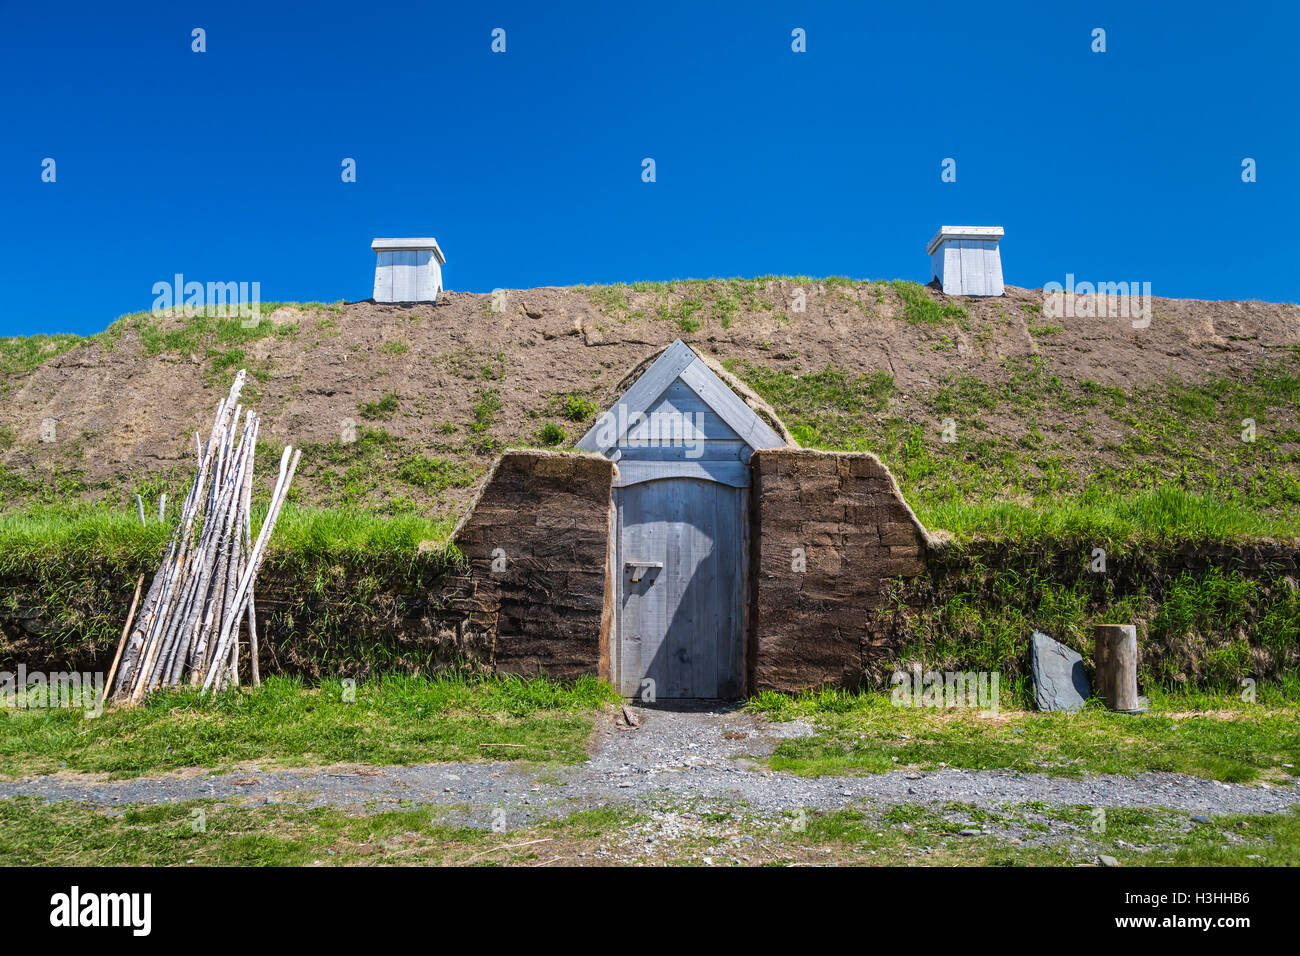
<point x="252" y="601"/>
<point x="126" y="632"/>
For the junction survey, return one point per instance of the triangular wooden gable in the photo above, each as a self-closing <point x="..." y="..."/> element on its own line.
<point x="679" y="367"/>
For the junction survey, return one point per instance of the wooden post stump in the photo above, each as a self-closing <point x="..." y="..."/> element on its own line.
<point x="1115" y="652"/>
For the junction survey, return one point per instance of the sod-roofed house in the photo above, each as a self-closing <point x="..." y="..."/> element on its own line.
<point x="688" y="549"/>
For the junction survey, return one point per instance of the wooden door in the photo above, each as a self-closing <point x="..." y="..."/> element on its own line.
<point x="682" y="560"/>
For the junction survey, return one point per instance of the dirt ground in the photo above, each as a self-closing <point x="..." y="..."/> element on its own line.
<point x="687" y="784"/>
<point x="123" y="414"/>
<point x="711" y="751"/>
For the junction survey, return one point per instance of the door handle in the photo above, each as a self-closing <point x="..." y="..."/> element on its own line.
<point x="639" y="568"/>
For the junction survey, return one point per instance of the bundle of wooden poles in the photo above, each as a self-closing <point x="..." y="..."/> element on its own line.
<point x="189" y="625"/>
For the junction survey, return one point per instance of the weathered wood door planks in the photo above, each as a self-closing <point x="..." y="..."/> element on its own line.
<point x="682" y="561"/>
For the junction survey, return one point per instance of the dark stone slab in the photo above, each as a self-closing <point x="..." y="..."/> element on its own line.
<point x="1059" y="679"/>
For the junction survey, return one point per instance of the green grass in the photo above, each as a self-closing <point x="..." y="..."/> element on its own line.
<point x="236" y="833"/>
<point x="685" y="320"/>
<point x="1041" y="835"/>
<point x="373" y="473"/>
<point x="866" y="733"/>
<point x="920" y="308"/>
<point x="1146" y="518"/>
<point x="207" y="334"/>
<point x="486" y="405"/>
<point x="825" y="409"/>
<point x="65" y="536"/>
<point x="578" y="408"/>
<point x="305" y="533"/>
<point x="380" y="407"/>
<point x="609" y="299"/>
<point x="228" y="833"/>
<point x="552" y="434"/>
<point x="685" y="303"/>
<point x="22" y="353"/>
<point x="394" y="720"/>
<point x="1025" y="466"/>
<point x="495" y="370"/>
<point x="202" y="333"/>
<point x="434" y="474"/>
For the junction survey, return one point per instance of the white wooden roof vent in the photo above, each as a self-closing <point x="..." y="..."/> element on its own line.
<point x="408" y="270"/>
<point x="966" y="259"/>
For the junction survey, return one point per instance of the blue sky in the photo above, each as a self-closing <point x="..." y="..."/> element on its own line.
<point x="526" y="165"/>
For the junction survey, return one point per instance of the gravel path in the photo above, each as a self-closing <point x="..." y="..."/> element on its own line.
<point x="675" y="757"/>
